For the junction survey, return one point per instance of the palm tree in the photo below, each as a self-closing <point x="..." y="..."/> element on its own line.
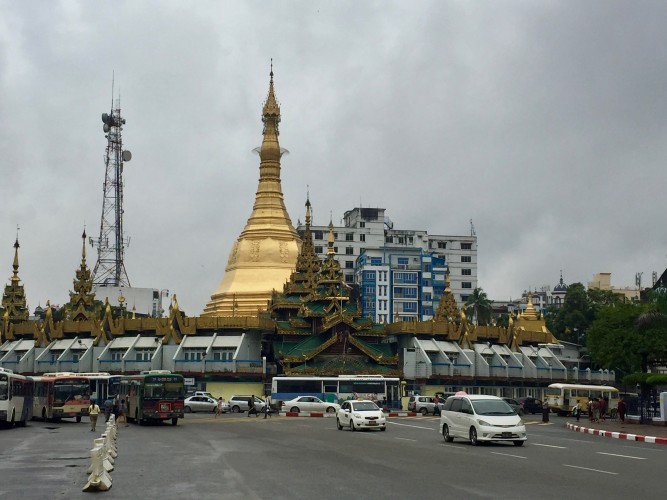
<point x="478" y="307"/>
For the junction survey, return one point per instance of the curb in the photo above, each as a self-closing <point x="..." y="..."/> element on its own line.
<point x="617" y="435"/>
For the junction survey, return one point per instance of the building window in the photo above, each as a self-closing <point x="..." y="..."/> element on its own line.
<point x="427" y="297"/>
<point x="466" y="246"/>
<point x="318" y="249"/>
<point x="349" y="236"/>
<point x="410" y="307"/>
<point x="349" y="251"/>
<point x="466" y="272"/>
<point x="466" y="284"/>
<point x="318" y="235"/>
<point x="335" y="236"/>
<point x="143" y="354"/>
<point x="369" y="276"/>
<point x="335" y="249"/>
<point x="402" y="261"/>
<point x="401" y="240"/>
<point x="466" y="258"/>
<point x="116" y="355"/>
<point x="224" y="354"/>
<point x="75" y="357"/>
<point x="464" y="298"/>
<point x="349" y="278"/>
<point x="376" y="261"/>
<point x="362" y="224"/>
<point x="362" y="237"/>
<point x="427" y="268"/>
<point x="194" y="354"/>
<point x="442" y="244"/>
<point x="349" y="264"/>
<point x="388" y="239"/>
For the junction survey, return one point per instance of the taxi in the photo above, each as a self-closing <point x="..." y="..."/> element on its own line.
<point x="360" y="414"/>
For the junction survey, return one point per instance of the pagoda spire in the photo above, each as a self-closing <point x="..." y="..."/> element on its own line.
<point x="13" y="299"/>
<point x="447" y="308"/>
<point x="81" y="301"/>
<point x="264" y="255"/>
<point x="304" y="277"/>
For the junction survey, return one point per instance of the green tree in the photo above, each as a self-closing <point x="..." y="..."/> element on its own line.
<point x="478" y="307"/>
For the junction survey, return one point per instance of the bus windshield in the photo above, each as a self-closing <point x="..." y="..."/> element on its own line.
<point x="68" y="390"/>
<point x="159" y="390"/>
<point x="4" y="386"/>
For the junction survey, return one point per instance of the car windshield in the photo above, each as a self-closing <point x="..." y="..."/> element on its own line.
<point x="492" y="407"/>
<point x="365" y="406"/>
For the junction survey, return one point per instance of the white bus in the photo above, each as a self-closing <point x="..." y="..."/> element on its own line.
<point x="15" y="398"/>
<point x="563" y="397"/>
<point x="384" y="390"/>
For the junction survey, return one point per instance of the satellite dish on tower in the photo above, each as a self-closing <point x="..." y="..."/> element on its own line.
<point x="127" y="156"/>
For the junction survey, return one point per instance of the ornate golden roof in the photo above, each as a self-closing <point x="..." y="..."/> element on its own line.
<point x="447" y="309"/>
<point x="265" y="253"/>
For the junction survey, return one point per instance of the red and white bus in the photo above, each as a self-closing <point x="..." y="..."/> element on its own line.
<point x="15" y="398"/>
<point x="61" y="395"/>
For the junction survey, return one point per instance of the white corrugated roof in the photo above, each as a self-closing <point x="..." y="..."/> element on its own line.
<point x="192" y="341"/>
<point x="227" y="341"/>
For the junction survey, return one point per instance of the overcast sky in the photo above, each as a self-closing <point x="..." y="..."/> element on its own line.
<point x="543" y="122"/>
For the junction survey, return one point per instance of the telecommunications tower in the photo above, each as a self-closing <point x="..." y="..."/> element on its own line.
<point x="110" y="267"/>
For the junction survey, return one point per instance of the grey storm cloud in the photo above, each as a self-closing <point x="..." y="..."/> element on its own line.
<point x="542" y="122"/>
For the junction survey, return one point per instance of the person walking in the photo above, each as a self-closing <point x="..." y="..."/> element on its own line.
<point x="621" y="410"/>
<point x="93" y="412"/>
<point x="122" y="412"/>
<point x="589" y="409"/>
<point x="267" y="407"/>
<point x="595" y="407"/>
<point x="576" y="410"/>
<point x="218" y="409"/>
<point x="108" y="409"/>
<point x="545" y="411"/>
<point x="251" y="406"/>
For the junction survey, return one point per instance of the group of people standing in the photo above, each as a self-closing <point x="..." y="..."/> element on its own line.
<point x="597" y="410"/>
<point x="116" y="406"/>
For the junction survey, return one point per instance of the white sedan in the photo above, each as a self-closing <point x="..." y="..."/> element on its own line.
<point x="362" y="414"/>
<point x="310" y="403"/>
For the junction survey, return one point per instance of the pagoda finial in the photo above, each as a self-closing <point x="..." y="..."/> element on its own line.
<point x="15" y="264"/>
<point x="308" y="215"/>
<point x="330" y="239"/>
<point x="83" y="247"/>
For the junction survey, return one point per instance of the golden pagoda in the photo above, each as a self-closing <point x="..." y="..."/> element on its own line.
<point x="265" y="253"/>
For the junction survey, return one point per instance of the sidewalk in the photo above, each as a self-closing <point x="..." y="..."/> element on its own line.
<point x="646" y="433"/>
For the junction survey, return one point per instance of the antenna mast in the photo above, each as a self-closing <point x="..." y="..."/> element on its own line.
<point x="110" y="267"/>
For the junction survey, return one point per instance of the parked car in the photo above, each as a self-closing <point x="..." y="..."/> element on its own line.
<point x="531" y="405"/>
<point x="421" y="404"/>
<point x="481" y="418"/>
<point x="310" y="403"/>
<point x="360" y="414"/>
<point x="242" y="403"/>
<point x="200" y="403"/>
<point x="515" y="405"/>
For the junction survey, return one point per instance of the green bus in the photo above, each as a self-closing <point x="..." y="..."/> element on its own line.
<point x="153" y="395"/>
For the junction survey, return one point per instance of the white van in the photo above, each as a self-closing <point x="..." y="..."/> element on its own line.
<point x="481" y="418"/>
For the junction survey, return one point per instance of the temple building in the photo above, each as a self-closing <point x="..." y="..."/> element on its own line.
<point x="282" y="309"/>
<point x="264" y="255"/>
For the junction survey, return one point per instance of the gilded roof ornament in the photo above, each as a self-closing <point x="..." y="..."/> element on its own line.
<point x="13" y="298"/>
<point x="81" y="303"/>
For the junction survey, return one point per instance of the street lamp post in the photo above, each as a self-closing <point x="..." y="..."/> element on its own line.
<point x="641" y="403"/>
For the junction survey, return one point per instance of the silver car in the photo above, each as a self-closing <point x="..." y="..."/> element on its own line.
<point x="200" y="403"/>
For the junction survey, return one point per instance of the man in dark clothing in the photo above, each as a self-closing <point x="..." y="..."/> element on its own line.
<point x="545" y="411"/>
<point x="251" y="406"/>
<point x="621" y="410"/>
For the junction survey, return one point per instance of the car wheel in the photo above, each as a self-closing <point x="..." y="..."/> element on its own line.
<point x="351" y="425"/>
<point x="518" y="443"/>
<point x="174" y="421"/>
<point x="340" y="427"/>
<point x="383" y="429"/>
<point x="294" y="409"/>
<point x="188" y="409"/>
<point x="473" y="436"/>
<point x="236" y="409"/>
<point x="424" y="411"/>
<point x="445" y="433"/>
<point x="331" y="409"/>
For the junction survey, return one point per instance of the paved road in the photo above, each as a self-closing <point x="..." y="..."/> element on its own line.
<point x="238" y="457"/>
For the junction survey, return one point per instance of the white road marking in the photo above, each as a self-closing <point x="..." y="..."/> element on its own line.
<point x="622" y="456"/>
<point x="405" y="439"/>
<point x="549" y="446"/>
<point x="593" y="470"/>
<point x="507" y="455"/>
<point x="413" y="426"/>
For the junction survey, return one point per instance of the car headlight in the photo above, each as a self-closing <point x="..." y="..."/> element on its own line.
<point x="356" y="415"/>
<point x="484" y="423"/>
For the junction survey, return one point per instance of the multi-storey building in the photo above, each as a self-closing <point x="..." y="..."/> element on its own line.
<point x="400" y="272"/>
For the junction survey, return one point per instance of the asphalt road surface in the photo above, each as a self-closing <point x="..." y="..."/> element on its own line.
<point x="283" y="458"/>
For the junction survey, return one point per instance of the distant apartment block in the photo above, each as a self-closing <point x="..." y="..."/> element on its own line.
<point x="400" y="273"/>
